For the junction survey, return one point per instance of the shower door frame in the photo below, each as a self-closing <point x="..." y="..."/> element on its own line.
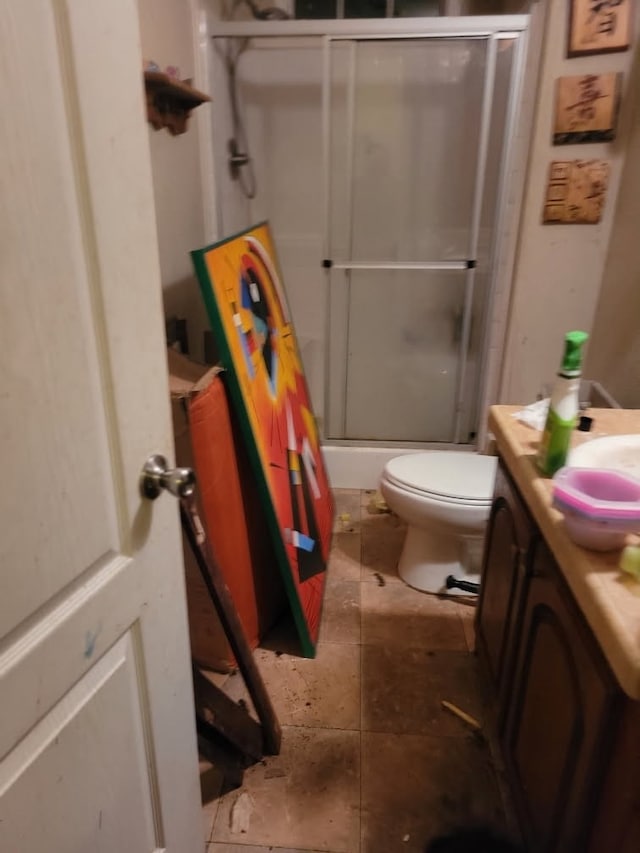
<point x="335" y="407"/>
<point x="487" y="27"/>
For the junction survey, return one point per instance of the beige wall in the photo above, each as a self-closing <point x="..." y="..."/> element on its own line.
<point x="559" y="268"/>
<point x="167" y="38"/>
<point x="614" y="353"/>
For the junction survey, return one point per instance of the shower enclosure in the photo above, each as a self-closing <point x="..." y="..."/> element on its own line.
<point x="379" y="152"/>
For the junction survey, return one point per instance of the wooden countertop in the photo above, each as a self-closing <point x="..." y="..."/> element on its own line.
<point x="609" y="599"/>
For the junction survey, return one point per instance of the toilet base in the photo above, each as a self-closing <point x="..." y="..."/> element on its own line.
<point x="428" y="558"/>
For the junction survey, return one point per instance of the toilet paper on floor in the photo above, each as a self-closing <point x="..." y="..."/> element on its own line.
<point x="535" y="414"/>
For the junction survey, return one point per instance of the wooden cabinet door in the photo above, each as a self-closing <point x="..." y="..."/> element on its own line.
<point x="617" y="824"/>
<point x="508" y="536"/>
<point x="562" y="697"/>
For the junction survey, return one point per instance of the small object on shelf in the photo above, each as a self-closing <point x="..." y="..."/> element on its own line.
<point x="169" y="100"/>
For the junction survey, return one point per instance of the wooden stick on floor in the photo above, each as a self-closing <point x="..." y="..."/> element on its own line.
<point x="230" y="720"/>
<point x="226" y="610"/>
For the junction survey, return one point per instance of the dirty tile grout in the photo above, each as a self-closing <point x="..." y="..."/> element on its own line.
<point x="371" y="528"/>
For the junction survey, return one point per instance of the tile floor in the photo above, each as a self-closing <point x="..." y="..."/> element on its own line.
<point x="370" y="761"/>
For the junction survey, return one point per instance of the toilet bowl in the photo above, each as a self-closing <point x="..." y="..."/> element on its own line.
<point x="445" y="498"/>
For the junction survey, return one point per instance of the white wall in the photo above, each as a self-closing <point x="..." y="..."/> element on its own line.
<point x="167" y="38"/>
<point x="614" y="352"/>
<point x="280" y="103"/>
<point x="559" y="268"/>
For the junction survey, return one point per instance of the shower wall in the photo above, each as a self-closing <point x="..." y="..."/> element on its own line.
<point x="280" y="94"/>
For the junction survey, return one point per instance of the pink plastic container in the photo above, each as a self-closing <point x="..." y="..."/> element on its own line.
<point x="600" y="506"/>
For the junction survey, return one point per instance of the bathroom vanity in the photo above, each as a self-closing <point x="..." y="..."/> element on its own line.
<point x="558" y="636"/>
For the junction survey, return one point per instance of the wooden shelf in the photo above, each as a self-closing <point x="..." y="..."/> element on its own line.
<point x="170" y="101"/>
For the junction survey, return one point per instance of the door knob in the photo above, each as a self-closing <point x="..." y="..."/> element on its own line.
<point x="156" y="476"/>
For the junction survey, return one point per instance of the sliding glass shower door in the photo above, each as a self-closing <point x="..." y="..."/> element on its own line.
<point x="415" y="132"/>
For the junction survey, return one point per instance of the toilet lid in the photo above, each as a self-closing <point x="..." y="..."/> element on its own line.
<point x="460" y="476"/>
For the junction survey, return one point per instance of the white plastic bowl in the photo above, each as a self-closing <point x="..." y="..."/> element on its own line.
<point x="600" y="506"/>
<point x="596" y="535"/>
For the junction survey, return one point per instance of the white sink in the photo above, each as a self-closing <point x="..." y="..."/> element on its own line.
<point x="620" y="452"/>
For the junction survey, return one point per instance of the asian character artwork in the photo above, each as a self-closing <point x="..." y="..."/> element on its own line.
<point x="242" y="289"/>
<point x="576" y="192"/>
<point x="599" y="26"/>
<point x="586" y="108"/>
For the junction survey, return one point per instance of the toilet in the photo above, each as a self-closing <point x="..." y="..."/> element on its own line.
<point x="445" y="498"/>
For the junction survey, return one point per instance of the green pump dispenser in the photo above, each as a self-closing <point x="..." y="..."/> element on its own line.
<point x="572" y="358"/>
<point x="563" y="407"/>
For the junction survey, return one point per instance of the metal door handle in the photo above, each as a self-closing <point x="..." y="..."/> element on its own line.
<point x="156" y="476"/>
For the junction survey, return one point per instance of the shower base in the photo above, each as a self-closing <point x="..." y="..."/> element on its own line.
<point x="357" y="467"/>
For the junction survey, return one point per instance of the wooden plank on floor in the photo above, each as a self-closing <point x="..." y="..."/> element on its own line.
<point x="229" y="719"/>
<point x="228" y="614"/>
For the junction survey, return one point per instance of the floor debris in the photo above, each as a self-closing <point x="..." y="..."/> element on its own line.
<point x="274" y="773"/>
<point x="240" y="817"/>
<point x="377" y="505"/>
<point x="360" y="805"/>
<point x="346" y="523"/>
<point x="458" y="712"/>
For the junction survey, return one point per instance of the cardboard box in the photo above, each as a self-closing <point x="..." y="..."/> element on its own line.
<point x="208" y="439"/>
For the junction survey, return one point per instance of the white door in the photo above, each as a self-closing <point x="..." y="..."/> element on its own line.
<point x="97" y="739"/>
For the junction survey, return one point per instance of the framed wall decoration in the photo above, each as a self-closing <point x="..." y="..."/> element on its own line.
<point x="243" y="292"/>
<point x="576" y="192"/>
<point x="599" y="26"/>
<point x="586" y="108"/>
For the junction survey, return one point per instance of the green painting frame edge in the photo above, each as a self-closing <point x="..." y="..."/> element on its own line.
<point x="198" y="259"/>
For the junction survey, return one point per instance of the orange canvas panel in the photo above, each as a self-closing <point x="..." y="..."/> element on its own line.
<point x="230" y="510"/>
<point x="243" y="291"/>
<point x="235" y="523"/>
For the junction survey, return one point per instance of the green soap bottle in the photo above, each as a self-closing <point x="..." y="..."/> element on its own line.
<point x="563" y="407"/>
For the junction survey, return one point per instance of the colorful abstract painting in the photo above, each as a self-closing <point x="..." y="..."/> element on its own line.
<point x="247" y="307"/>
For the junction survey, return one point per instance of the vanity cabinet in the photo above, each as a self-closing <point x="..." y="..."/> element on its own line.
<point x="509" y="534"/>
<point x="570" y="737"/>
<point x="560" y="711"/>
<point x="616" y="825"/>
